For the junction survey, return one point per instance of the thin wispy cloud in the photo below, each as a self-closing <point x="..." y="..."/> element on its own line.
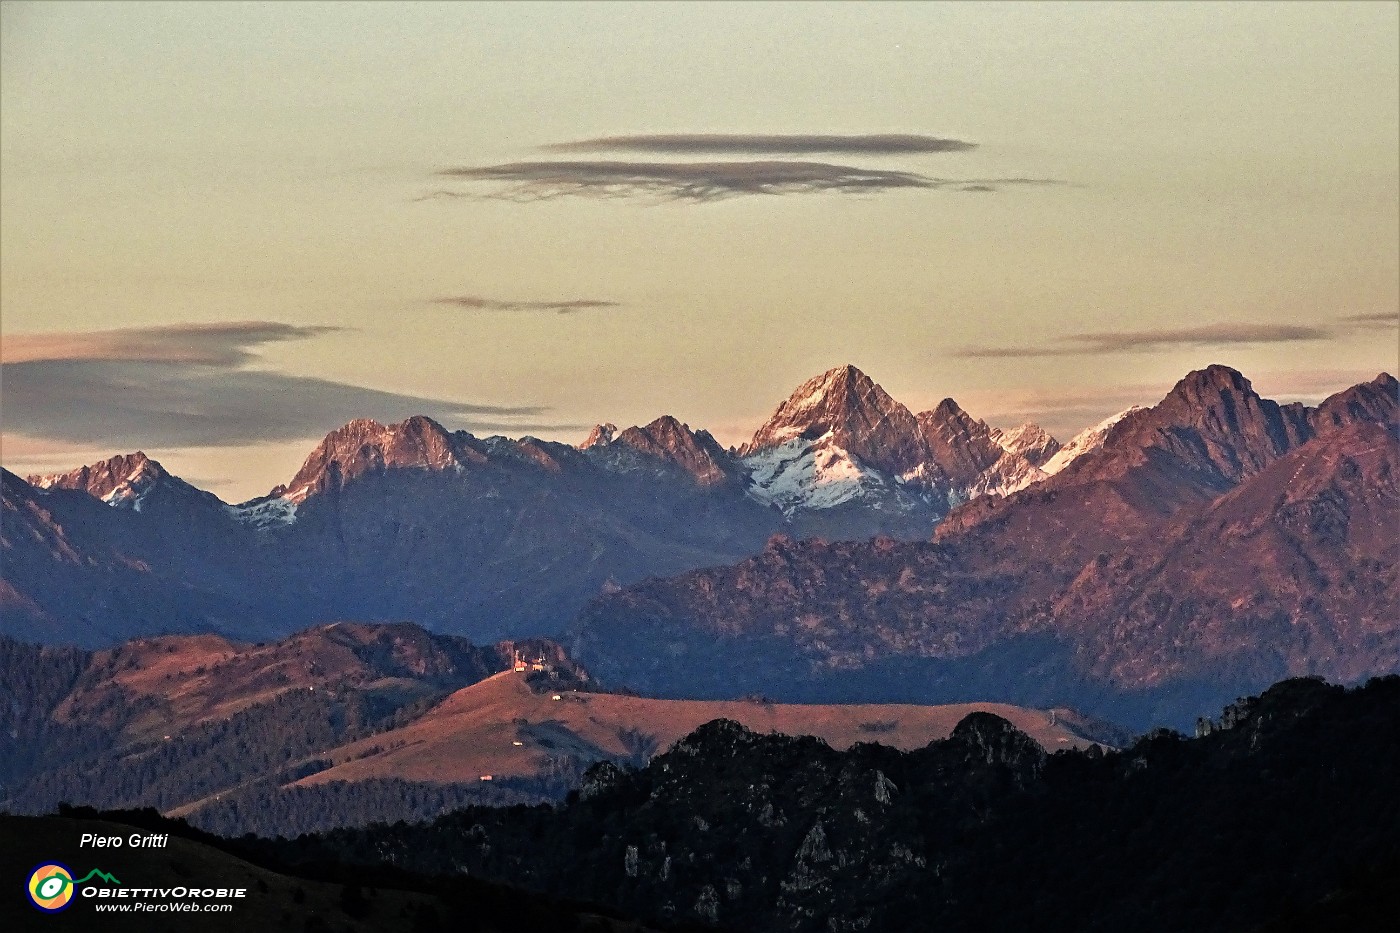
<point x="188" y="385"/>
<point x="1145" y="341"/>
<point x="766" y="144"/>
<point x="571" y="306"/>
<point x="688" y="181"/>
<point x="1380" y="321"/>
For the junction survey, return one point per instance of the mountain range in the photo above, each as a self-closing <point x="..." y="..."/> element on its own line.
<point x="1209" y="545"/>
<point x="1280" y="816"/>
<point x="484" y="537"/>
<point x="852" y="550"/>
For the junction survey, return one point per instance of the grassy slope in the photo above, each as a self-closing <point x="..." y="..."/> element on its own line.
<point x="472" y="732"/>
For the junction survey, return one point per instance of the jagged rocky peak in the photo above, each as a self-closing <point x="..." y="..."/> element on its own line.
<point x="1030" y="441"/>
<point x="1377" y="400"/>
<point x="1213" y="417"/>
<point x="696" y="452"/>
<point x="366" y="446"/>
<point x="1218" y="398"/>
<point x="601" y="436"/>
<point x="857" y="414"/>
<point x="962" y="446"/>
<point x="121" y="480"/>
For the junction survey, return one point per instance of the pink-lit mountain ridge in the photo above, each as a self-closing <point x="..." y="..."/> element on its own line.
<point x="1208" y="545"/>
<point x="491" y="537"/>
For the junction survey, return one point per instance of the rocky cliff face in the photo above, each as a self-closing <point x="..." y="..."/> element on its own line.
<point x="1295" y="571"/>
<point x="962" y="447"/>
<point x="364" y="446"/>
<point x="129" y="481"/>
<point x="1212" y="424"/>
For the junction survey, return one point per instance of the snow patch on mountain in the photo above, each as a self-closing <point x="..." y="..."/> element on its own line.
<point x="128" y="496"/>
<point x="1085" y="441"/>
<point x="803" y="474"/>
<point x="1030" y="441"/>
<point x="1009" y="474"/>
<point x="267" y="512"/>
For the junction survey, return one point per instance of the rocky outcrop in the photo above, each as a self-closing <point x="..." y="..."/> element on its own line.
<point x="960" y="445"/>
<point x="364" y="446"/>
<point x="129" y="481"/>
<point x="694" y="452"/>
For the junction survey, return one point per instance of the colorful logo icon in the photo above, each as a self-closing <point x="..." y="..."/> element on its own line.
<point x="51" y="887"/>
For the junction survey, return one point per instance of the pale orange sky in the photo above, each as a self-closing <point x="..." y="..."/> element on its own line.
<point x="1229" y="191"/>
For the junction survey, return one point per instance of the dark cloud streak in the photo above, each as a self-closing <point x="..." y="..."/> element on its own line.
<point x="1379" y="321"/>
<point x="1143" y="341"/>
<point x="478" y="303"/>
<point x="766" y="144"/>
<point x="690" y="181"/>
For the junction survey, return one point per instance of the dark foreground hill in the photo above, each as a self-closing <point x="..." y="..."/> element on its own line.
<point x="1281" y="815"/>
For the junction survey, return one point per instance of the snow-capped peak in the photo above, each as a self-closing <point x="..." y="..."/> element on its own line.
<point x="861" y="416"/>
<point x="1085" y="441"/>
<point x="122" y="481"/>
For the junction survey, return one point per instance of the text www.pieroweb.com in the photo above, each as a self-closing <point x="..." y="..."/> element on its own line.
<point x="178" y="907"/>
<point x="180" y="900"/>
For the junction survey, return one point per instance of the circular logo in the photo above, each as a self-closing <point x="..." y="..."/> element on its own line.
<point x="51" y="887"/>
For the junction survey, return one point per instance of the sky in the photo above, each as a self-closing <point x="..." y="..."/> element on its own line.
<point x="227" y="229"/>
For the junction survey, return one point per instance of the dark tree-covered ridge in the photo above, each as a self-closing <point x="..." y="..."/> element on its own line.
<point x="1288" y="799"/>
